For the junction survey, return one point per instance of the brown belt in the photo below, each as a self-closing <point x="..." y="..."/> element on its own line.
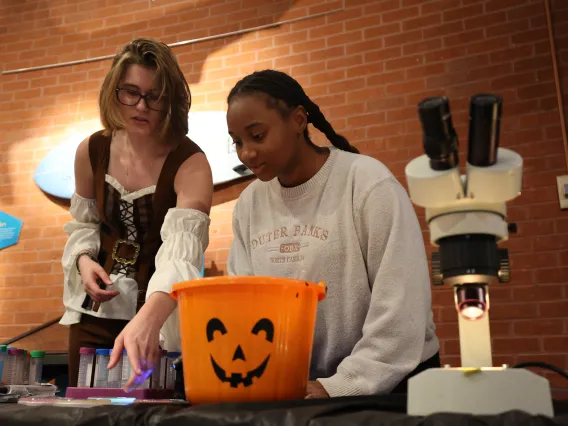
<point x="128" y="253"/>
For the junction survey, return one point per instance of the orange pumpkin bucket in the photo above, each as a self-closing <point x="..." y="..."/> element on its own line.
<point x="246" y="338"/>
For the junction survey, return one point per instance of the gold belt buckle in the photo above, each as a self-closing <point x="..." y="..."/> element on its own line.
<point x="121" y="259"/>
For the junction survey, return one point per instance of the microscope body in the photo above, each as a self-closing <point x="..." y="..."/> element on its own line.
<point x="466" y="216"/>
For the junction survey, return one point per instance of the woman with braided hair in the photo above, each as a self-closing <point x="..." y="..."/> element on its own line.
<point x="336" y="216"/>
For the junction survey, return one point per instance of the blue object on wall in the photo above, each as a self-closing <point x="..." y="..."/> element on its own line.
<point x="10" y="228"/>
<point x="55" y="174"/>
<point x="202" y="267"/>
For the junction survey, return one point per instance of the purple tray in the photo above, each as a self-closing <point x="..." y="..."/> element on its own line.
<point x="85" y="393"/>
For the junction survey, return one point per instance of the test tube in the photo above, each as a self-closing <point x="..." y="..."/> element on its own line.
<point x="159" y="375"/>
<point x="126" y="369"/>
<point x="9" y="374"/>
<point x="101" y="370"/>
<point x="3" y="359"/>
<point x="163" y="365"/>
<point x="26" y="373"/>
<point x="146" y="384"/>
<point x="86" y="367"/>
<point x="115" y="375"/>
<point x="20" y="361"/>
<point x="36" y="367"/>
<point x="170" y="370"/>
<point x="15" y="365"/>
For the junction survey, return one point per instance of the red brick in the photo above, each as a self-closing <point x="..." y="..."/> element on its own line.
<point x="508" y="28"/>
<point x="406" y="87"/>
<point x="400" y="14"/>
<point x="535" y="63"/>
<point x="515" y="345"/>
<point x="504" y="4"/>
<point x="443" y="30"/>
<point x="365" y="120"/>
<point x="291" y="60"/>
<point x="308" y="46"/>
<point x="363" y="22"/>
<point x="548" y="103"/>
<point x="331" y="52"/>
<point x="422" y="46"/>
<point x="552" y="275"/>
<point x="556" y="344"/>
<point x="381" y="7"/>
<point x="518" y="80"/>
<point x="422" y="22"/>
<point x="401" y="114"/>
<point x="408" y="3"/>
<point x="381" y="103"/>
<point x="426" y="71"/>
<point x="513" y="311"/>
<point x="435" y="6"/>
<point x="528" y="293"/>
<point x="381" y="55"/>
<point x="534" y="91"/>
<point x="463" y="13"/>
<point x="381" y="31"/>
<point x="512" y="54"/>
<point x="482" y="46"/>
<point x="551" y="242"/>
<point x="386" y="130"/>
<point x="538" y="327"/>
<point x="529" y="36"/>
<point x="526" y="11"/>
<point x="406" y="62"/>
<point x="450" y="54"/>
<point x="486" y="21"/>
<point x="348" y="39"/>
<point x="561" y="225"/>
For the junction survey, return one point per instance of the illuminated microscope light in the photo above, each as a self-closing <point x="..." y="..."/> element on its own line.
<point x="472" y="301"/>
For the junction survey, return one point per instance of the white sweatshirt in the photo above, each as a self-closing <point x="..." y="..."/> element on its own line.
<point x="352" y="226"/>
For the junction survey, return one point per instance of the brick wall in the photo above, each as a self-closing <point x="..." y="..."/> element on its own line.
<point x="367" y="66"/>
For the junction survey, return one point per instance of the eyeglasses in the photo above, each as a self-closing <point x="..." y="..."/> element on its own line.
<point x="132" y="97"/>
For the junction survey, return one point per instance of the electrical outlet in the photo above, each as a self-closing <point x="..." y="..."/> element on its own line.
<point x="563" y="191"/>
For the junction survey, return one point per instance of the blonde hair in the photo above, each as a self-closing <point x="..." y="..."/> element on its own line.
<point x="173" y="86"/>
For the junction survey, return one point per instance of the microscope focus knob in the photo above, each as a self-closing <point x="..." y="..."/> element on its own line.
<point x="437" y="276"/>
<point x="504" y="273"/>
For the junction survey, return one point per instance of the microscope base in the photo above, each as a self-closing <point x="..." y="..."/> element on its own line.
<point x="483" y="391"/>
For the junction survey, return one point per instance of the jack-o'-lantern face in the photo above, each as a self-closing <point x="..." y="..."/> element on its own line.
<point x="227" y="375"/>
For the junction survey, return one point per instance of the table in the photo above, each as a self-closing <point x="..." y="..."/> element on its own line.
<point x="384" y="410"/>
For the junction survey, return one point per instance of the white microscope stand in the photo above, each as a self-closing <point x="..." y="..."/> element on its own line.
<point x="475" y="388"/>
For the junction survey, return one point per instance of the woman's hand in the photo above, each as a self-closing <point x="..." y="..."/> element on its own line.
<point x="141" y="338"/>
<point x="91" y="272"/>
<point x="316" y="390"/>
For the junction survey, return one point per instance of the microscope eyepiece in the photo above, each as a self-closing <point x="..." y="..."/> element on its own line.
<point x="484" y="127"/>
<point x="440" y="138"/>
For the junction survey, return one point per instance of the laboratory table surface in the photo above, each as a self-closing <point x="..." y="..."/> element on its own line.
<point x="385" y="410"/>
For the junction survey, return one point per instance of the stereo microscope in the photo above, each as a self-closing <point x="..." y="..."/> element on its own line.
<point x="466" y="216"/>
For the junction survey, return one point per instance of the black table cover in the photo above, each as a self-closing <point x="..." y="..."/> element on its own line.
<point x="389" y="410"/>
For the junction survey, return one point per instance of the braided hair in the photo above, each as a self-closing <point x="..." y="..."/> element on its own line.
<point x="281" y="87"/>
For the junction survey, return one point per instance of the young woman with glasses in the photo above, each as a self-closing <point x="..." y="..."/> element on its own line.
<point x="140" y="213"/>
